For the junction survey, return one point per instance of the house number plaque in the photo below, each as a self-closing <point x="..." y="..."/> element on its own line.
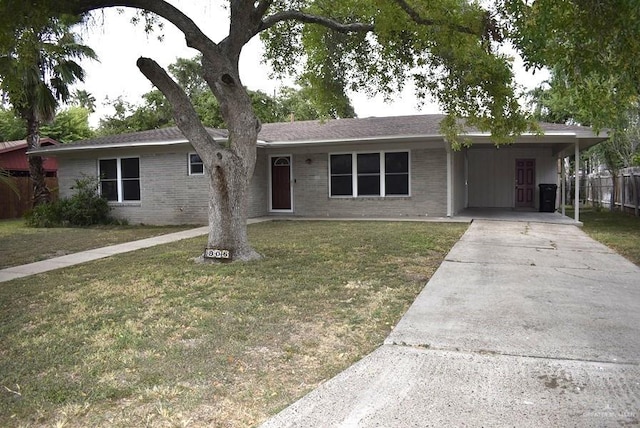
<point x="214" y="253"/>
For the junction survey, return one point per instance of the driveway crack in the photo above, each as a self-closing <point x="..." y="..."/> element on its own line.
<point x="427" y="346"/>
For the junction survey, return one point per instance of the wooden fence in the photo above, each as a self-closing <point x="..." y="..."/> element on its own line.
<point x="15" y="206"/>
<point x="600" y="190"/>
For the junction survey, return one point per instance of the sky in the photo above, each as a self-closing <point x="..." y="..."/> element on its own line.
<point x="119" y="44"/>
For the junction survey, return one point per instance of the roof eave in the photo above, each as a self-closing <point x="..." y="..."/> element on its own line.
<point x="73" y="148"/>
<point x="588" y="139"/>
<point x="335" y="141"/>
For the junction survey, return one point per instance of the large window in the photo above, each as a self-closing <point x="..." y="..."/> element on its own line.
<point x="120" y="179"/>
<point x="341" y="175"/>
<point x="396" y="173"/>
<point x="369" y="174"/>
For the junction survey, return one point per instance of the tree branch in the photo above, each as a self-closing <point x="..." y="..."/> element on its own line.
<point x="356" y="27"/>
<point x="296" y="15"/>
<point x="183" y="111"/>
<point x="415" y="16"/>
<point x="194" y="37"/>
<point x="245" y="23"/>
<point x="262" y="7"/>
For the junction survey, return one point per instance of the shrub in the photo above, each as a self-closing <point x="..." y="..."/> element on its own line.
<point x="85" y="208"/>
<point x="45" y="215"/>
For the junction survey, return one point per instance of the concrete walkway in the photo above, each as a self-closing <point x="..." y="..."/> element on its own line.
<point x="523" y="325"/>
<point x="98" y="253"/>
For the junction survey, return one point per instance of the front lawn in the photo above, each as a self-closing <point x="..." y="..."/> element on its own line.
<point x="616" y="230"/>
<point x="22" y="244"/>
<point x="151" y="339"/>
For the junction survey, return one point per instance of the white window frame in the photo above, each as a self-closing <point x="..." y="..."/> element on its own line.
<point x="119" y="178"/>
<point x="354" y="174"/>
<point x="190" y="164"/>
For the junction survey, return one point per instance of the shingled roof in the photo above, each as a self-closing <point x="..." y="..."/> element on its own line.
<point x="311" y="131"/>
<point x="349" y="129"/>
<point x="9" y="146"/>
<point x="161" y="136"/>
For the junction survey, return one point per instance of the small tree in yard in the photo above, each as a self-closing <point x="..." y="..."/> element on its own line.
<point x="446" y="46"/>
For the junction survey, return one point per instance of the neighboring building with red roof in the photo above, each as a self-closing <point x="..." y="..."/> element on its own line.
<point x="14" y="160"/>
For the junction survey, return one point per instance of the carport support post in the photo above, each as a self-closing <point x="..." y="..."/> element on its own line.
<point x="576" y="186"/>
<point x="563" y="185"/>
<point x="449" y="179"/>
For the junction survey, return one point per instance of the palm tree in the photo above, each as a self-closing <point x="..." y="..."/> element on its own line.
<point x="85" y="100"/>
<point x="35" y="77"/>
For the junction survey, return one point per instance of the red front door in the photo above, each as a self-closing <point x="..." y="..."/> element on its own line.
<point x="281" y="183"/>
<point x="525" y="183"/>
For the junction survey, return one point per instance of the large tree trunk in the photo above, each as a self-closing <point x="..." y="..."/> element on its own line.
<point x="228" y="200"/>
<point x="231" y="172"/>
<point x="41" y="194"/>
<point x="230" y="169"/>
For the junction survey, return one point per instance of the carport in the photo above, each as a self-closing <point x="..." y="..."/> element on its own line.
<point x="508" y="178"/>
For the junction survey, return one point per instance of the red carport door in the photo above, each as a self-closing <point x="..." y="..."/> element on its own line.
<point x="525" y="183"/>
<point x="281" y="183"/>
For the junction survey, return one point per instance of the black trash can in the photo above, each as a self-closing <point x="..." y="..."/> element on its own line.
<point x="548" y="198"/>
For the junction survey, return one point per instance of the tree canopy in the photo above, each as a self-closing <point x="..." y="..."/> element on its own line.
<point x="12" y="128"/>
<point x="38" y="67"/>
<point x="447" y="46"/>
<point x="70" y="124"/>
<point x="592" y="48"/>
<point x="155" y="111"/>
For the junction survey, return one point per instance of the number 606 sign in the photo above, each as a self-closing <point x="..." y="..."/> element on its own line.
<point x="214" y="253"/>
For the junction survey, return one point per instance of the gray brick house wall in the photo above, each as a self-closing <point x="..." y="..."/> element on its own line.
<point x="168" y="194"/>
<point x="72" y="168"/>
<point x="480" y="176"/>
<point x="311" y="185"/>
<point x="258" y="190"/>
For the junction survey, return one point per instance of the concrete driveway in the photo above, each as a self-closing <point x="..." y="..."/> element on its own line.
<point x="524" y="324"/>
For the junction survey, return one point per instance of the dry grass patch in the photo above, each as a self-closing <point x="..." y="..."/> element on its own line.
<point x="22" y="244"/>
<point x="152" y="339"/>
<point x="620" y="231"/>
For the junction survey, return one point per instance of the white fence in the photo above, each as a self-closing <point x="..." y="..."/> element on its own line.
<point x="599" y="190"/>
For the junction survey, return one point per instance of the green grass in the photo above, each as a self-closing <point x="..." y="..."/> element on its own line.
<point x="616" y="230"/>
<point x="152" y="339"/>
<point x="22" y="244"/>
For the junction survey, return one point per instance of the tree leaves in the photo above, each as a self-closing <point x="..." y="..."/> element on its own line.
<point x="444" y="46"/>
<point x="592" y="46"/>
